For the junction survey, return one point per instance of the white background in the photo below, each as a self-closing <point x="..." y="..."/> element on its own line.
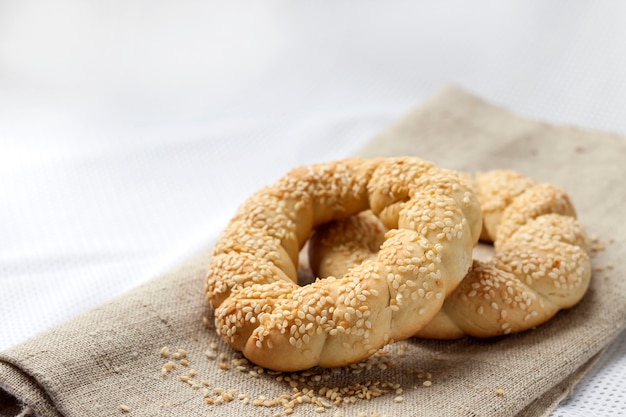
<point x="131" y="130"/>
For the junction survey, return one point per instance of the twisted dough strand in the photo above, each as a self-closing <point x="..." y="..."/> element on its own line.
<point x="540" y="264"/>
<point x="435" y="220"/>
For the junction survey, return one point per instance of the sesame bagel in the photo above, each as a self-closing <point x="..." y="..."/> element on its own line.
<point x="433" y="219"/>
<point x="539" y="266"/>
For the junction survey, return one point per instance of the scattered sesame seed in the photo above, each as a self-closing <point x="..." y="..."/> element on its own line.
<point x="311" y="315"/>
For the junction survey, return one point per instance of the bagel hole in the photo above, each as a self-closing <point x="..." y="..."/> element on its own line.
<point x="305" y="274"/>
<point x="483" y="251"/>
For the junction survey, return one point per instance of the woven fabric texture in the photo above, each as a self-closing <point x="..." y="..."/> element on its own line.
<point x="110" y="361"/>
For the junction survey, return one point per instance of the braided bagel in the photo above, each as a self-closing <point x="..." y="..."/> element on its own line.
<point x="434" y="220"/>
<point x="539" y="266"/>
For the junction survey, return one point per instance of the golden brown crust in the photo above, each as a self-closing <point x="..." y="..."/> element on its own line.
<point x="252" y="284"/>
<point x="540" y="264"/>
<point x="498" y="189"/>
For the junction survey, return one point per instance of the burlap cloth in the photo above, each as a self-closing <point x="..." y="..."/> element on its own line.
<point x="110" y="356"/>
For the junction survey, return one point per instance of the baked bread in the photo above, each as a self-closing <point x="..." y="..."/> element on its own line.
<point x="434" y="220"/>
<point x="539" y="267"/>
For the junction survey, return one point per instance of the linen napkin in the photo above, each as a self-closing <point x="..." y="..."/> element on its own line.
<point x="154" y="351"/>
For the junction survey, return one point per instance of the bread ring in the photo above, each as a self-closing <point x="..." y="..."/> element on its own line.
<point x="540" y="263"/>
<point x="434" y="219"/>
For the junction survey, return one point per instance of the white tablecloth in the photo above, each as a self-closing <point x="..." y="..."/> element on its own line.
<point x="130" y="131"/>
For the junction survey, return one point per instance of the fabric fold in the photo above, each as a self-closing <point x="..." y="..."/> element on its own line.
<point x="23" y="393"/>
